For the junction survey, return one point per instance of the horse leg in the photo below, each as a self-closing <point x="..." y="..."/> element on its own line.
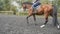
<point x="46" y="20"/>
<point x="29" y="14"/>
<point x="34" y="18"/>
<point x="27" y="19"/>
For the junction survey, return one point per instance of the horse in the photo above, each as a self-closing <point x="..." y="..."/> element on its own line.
<point x="43" y="9"/>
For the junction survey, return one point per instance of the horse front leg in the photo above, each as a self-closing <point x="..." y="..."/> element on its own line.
<point x="34" y="18"/>
<point x="27" y="19"/>
<point x="46" y="20"/>
<point x="29" y="14"/>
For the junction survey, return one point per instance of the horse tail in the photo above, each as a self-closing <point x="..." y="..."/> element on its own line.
<point x="55" y="21"/>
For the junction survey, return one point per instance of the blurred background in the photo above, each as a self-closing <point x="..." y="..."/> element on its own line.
<point x="13" y="7"/>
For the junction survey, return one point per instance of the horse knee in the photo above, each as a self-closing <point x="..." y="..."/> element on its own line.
<point x="46" y="21"/>
<point x="26" y="17"/>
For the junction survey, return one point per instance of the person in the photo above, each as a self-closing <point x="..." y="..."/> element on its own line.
<point x="35" y="4"/>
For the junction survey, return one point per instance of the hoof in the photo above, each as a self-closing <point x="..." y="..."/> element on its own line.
<point x="42" y="26"/>
<point x="27" y="22"/>
<point x="58" y="27"/>
<point x="36" y="24"/>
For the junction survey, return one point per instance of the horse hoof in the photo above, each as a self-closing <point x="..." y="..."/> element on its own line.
<point x="58" y="27"/>
<point x="42" y="26"/>
<point x="27" y="22"/>
<point x="35" y="24"/>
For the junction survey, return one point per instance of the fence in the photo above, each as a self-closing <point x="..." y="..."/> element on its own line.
<point x="12" y="13"/>
<point x="6" y="12"/>
<point x="21" y="13"/>
<point x="26" y="13"/>
<point x="17" y="13"/>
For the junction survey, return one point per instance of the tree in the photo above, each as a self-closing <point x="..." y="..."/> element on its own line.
<point x="1" y="5"/>
<point x="59" y="3"/>
<point x="6" y="4"/>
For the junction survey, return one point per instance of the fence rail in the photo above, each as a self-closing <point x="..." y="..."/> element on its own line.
<point x="17" y="13"/>
<point x="6" y="12"/>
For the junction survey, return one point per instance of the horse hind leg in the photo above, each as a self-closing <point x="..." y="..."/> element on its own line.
<point x="44" y="23"/>
<point x="46" y="20"/>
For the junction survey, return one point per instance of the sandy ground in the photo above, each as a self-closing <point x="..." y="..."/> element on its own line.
<point x="18" y="25"/>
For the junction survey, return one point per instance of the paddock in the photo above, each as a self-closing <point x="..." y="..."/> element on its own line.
<point x="17" y="25"/>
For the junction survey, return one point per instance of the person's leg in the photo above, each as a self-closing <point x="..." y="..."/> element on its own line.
<point x="33" y="6"/>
